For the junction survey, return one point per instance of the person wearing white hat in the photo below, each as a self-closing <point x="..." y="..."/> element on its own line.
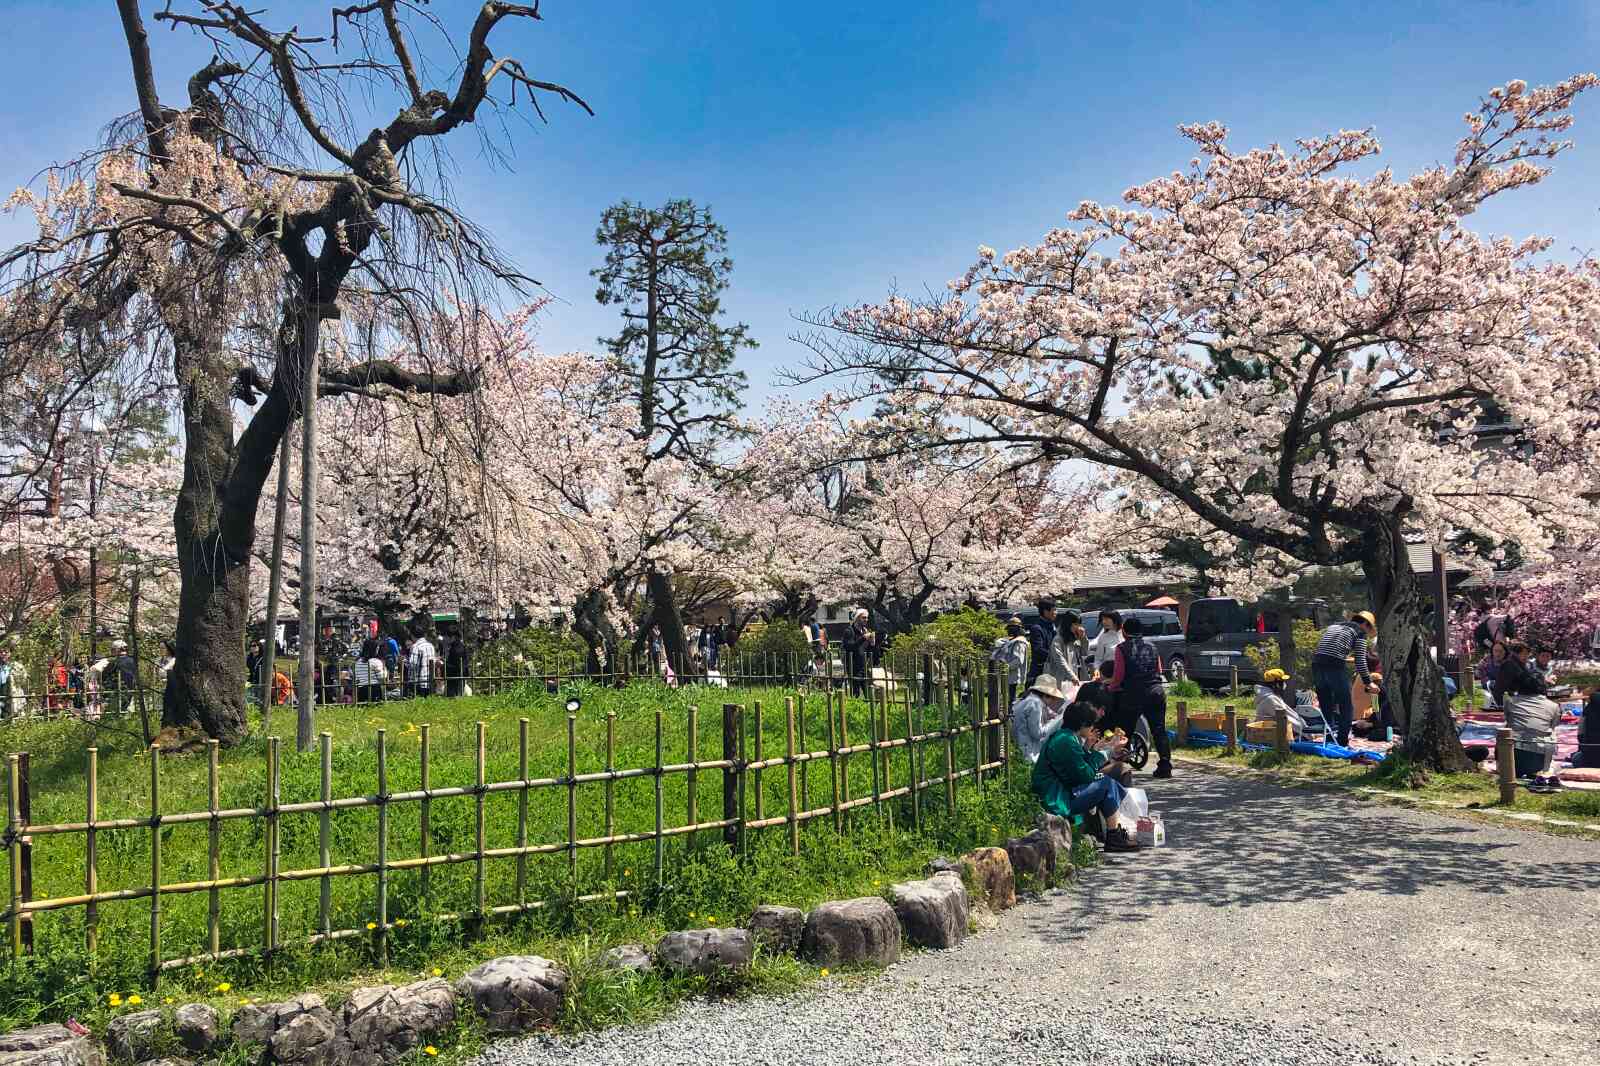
<point x="1037" y="715"/>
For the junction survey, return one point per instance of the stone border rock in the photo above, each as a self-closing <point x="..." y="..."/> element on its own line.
<point x="516" y="993"/>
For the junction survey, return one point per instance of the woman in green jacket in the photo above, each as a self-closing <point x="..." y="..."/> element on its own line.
<point x="1073" y="776"/>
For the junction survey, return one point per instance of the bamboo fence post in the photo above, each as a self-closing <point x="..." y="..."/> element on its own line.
<point x="271" y="892"/>
<point x="743" y="840"/>
<point x="479" y="879"/>
<point x="872" y="752"/>
<point x="1505" y="764"/>
<point x="1230" y="728"/>
<point x="424" y="829"/>
<point x="325" y="836"/>
<point x="611" y="786"/>
<point x="661" y="844"/>
<point x="692" y="753"/>
<point x="760" y="727"/>
<point x="794" y="784"/>
<point x="214" y="846"/>
<point x="383" y="845"/>
<point x="1183" y="723"/>
<point x="977" y="737"/>
<point x="522" y="811"/>
<point x="881" y="712"/>
<point x="25" y="794"/>
<point x="91" y="873"/>
<point x="915" y="774"/>
<point x="730" y="774"/>
<point x="833" y="762"/>
<point x="844" y="742"/>
<point x="949" y="761"/>
<point x="14" y="829"/>
<point x="572" y="803"/>
<point x="155" y="861"/>
<point x="805" y="767"/>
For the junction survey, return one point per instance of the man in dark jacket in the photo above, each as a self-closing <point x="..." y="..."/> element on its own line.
<point x="1041" y="634"/>
<point x="860" y="651"/>
<point x="124" y="674"/>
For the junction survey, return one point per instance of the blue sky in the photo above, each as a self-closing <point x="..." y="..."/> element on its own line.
<point x="852" y="148"/>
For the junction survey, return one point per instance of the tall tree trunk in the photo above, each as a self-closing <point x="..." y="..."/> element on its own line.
<point x="667" y="617"/>
<point x="599" y="636"/>
<point x="206" y="686"/>
<point x="1411" y="679"/>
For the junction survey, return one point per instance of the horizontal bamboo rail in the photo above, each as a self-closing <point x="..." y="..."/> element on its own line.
<point x="901" y="759"/>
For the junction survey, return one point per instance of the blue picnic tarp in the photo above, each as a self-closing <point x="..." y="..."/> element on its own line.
<point x="1208" y="738"/>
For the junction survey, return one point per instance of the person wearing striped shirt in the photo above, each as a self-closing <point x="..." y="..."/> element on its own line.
<point x="1331" y="677"/>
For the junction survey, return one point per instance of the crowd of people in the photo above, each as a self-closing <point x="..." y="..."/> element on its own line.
<point x="372" y="668"/>
<point x="88" y="686"/>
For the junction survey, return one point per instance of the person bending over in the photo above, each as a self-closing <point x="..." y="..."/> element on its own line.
<point x="1097" y="694"/>
<point x="1074" y="776"/>
<point x="1338" y="642"/>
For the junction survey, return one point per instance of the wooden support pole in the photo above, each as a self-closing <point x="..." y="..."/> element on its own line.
<point x="661" y="852"/>
<point x="325" y="834"/>
<point x="730" y="774"/>
<point x="691" y="752"/>
<point x="1280" y="731"/>
<point x="155" y="861"/>
<point x="25" y="791"/>
<point x="522" y="810"/>
<point x="383" y="846"/>
<point x="1505" y="762"/>
<point x="91" y="873"/>
<point x="214" y="846"/>
<point x="271" y="888"/>
<point x="833" y="762"/>
<point x="424" y="826"/>
<point x="611" y="787"/>
<point x="1230" y="728"/>
<point x="14" y="830"/>
<point x="480" y="836"/>
<point x="794" y="783"/>
<point x="572" y="803"/>
<point x="760" y="754"/>
<point x="1183" y="723"/>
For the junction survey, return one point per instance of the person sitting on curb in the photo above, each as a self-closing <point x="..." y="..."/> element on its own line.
<point x="1074" y="776"/>
<point x="1036" y="716"/>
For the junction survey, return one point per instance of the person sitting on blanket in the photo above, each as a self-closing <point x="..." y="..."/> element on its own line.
<point x="1074" y="776"/>
<point x="1269" y="697"/>
<point x="1037" y="715"/>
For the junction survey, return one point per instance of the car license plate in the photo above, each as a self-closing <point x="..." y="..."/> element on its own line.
<point x="1219" y="660"/>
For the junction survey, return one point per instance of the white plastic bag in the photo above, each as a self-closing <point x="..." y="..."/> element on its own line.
<point x="1135" y="805"/>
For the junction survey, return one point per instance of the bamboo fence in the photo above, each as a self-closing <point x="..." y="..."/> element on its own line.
<point x="900" y="776"/>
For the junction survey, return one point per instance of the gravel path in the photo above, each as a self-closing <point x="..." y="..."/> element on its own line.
<point x="1278" y="926"/>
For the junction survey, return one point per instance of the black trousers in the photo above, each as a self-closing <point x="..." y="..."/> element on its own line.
<point x="1151" y="705"/>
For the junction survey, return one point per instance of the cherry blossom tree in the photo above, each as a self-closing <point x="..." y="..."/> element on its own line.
<point x="1282" y="348"/>
<point x="304" y="181"/>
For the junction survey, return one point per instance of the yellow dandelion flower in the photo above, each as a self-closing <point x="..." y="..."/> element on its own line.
<point x="401" y="923"/>
<point x="824" y="971"/>
<point x="712" y="919"/>
<point x="625" y="873"/>
<point x="436" y="972"/>
<point x="167" y="1002"/>
<point x="115" y="1000"/>
<point x="372" y="925"/>
<point x="224" y="987"/>
<point x="135" y="1000"/>
<point x="430" y="1050"/>
<point x="691" y="914"/>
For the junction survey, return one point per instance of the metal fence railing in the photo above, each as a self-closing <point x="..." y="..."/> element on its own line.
<point x="573" y="795"/>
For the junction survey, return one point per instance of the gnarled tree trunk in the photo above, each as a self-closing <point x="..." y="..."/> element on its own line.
<point x="1412" y="681"/>
<point x="667" y="617"/>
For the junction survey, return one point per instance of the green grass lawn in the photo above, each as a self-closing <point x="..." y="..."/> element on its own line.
<point x="703" y="882"/>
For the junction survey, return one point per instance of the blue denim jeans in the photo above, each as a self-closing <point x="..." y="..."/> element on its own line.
<point x="1102" y="793"/>
<point x="1332" y="682"/>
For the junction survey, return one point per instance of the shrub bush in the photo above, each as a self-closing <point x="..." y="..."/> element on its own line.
<point x="958" y="639"/>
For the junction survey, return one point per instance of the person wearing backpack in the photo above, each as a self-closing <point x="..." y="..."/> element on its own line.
<point x="1139" y="682"/>
<point x="1046" y="651"/>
